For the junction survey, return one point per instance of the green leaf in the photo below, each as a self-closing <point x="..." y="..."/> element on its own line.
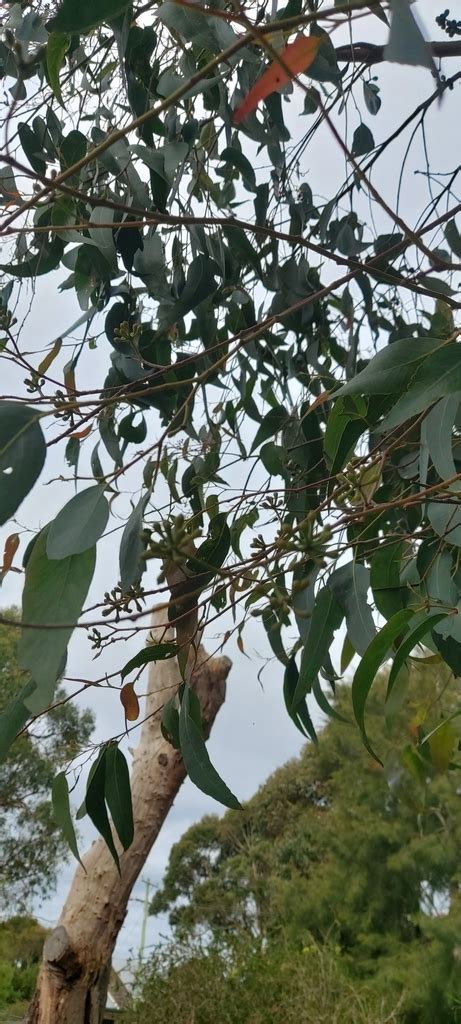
<point x="152" y="652"/>
<point x="117" y="792"/>
<point x="371" y="97"/>
<point x="371" y="662"/>
<point x="79" y="525"/>
<point x="445" y="519"/>
<point x="61" y="812"/>
<point x="392" y="368"/>
<point x="453" y="237"/>
<point x="439" y="375"/>
<point x="56" y="49"/>
<point x="22" y="455"/>
<point x="385" y="578"/>
<point x="242" y="164"/>
<point x="350" y="584"/>
<point x="86" y="14"/>
<point x="303" y="596"/>
<point x="132" y="546"/>
<point x="169" y="723"/>
<point x="342" y="432"/>
<point x="327" y="617"/>
<point x="200" y="283"/>
<point x="363" y="141"/>
<point x="95" y="804"/>
<point x="406" y="44"/>
<point x="212" y="553"/>
<point x="195" y="755"/>
<point x="411" y="640"/>
<point x="272" y="626"/>
<point x="272" y="424"/>
<point x="54" y="593"/>
<point x="31" y="147"/>
<point x="299" y="713"/>
<point x="13" y="718"/>
<point x="437" y="433"/>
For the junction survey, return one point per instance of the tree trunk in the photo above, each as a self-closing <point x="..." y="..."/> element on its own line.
<point x="72" y="983"/>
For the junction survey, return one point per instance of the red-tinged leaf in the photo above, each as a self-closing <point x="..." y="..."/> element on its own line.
<point x="80" y="434"/>
<point x="9" y="551"/>
<point x="130" y="702"/>
<point x="297" y="56"/>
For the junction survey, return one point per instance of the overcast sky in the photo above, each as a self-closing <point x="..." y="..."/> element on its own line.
<point x="253" y="734"/>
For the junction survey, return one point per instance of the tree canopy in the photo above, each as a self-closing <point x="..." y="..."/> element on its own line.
<point x="255" y="401"/>
<point x="334" y="861"/>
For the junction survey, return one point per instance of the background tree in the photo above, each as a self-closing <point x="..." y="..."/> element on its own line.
<point x="334" y="856"/>
<point x="32" y="845"/>
<point x="21" y="944"/>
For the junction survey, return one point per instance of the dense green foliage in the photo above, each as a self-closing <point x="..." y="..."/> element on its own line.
<point x="21" y="942"/>
<point x="337" y="870"/>
<point x="257" y="392"/>
<point x="31" y="844"/>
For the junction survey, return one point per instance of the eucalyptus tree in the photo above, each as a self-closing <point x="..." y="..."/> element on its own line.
<point x="256" y="396"/>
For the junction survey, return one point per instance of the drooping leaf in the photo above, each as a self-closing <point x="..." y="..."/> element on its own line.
<point x="363" y="141"/>
<point x="327" y="616"/>
<point x="61" y="812"/>
<point x="303" y="597"/>
<point x="195" y="755"/>
<point x="413" y="637"/>
<point x="299" y="713"/>
<point x="132" y="546"/>
<point x="79" y="525"/>
<point x="22" y="455"/>
<point x="350" y="584"/>
<point x="273" y="632"/>
<point x="153" y="652"/>
<point x="437" y="433"/>
<point x="297" y="57"/>
<point x="53" y="597"/>
<point x="130" y="702"/>
<point x="95" y="804"/>
<point x="117" y="792"/>
<point x="56" y="49"/>
<point x="169" y="723"/>
<point x="385" y="578"/>
<point x="371" y="662"/>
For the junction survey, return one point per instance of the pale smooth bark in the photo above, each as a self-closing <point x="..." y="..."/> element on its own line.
<point x="72" y="983"/>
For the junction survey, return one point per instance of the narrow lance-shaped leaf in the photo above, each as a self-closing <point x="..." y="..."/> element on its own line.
<point x="416" y="634"/>
<point x="195" y="755"/>
<point x="61" y="812"/>
<point x="117" y="792"/>
<point x="371" y="662"/>
<point x="95" y="805"/>
<point x="297" y="56"/>
<point x="132" y="564"/>
<point x="326" y="619"/>
<point x="298" y="713"/>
